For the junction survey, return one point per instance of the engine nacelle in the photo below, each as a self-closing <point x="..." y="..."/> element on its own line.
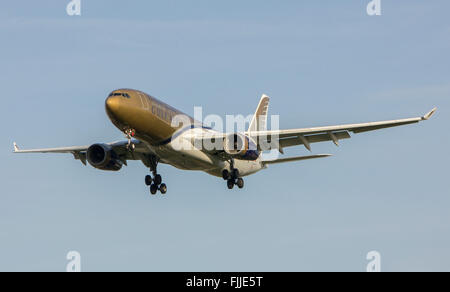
<point x="240" y="147"/>
<point x="102" y="156"/>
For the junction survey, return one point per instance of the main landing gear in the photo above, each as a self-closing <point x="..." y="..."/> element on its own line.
<point x="155" y="182"/>
<point x="232" y="177"/>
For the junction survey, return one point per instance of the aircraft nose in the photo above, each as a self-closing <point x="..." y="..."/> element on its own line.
<point x="112" y="104"/>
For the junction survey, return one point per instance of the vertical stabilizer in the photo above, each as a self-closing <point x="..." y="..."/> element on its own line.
<point x="259" y="120"/>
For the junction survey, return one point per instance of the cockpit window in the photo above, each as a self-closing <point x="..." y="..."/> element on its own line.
<point x="126" y="95"/>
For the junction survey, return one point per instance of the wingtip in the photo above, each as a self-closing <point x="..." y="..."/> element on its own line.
<point x="16" y="148"/>
<point x="429" y="114"/>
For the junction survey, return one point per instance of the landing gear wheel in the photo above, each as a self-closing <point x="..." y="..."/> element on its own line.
<point x="225" y="174"/>
<point x="153" y="189"/>
<point x="240" y="183"/>
<point x="230" y="184"/>
<point x="158" y="179"/>
<point x="163" y="188"/>
<point x="131" y="147"/>
<point x="148" y="180"/>
<point x="235" y="173"/>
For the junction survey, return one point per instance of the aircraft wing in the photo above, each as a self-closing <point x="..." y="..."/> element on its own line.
<point x="79" y="152"/>
<point x="307" y="136"/>
<point x="52" y="150"/>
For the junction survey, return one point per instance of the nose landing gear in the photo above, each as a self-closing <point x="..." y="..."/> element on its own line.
<point x="129" y="133"/>
<point x="232" y="177"/>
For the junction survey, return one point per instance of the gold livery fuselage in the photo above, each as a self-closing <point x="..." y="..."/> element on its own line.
<point x="148" y="118"/>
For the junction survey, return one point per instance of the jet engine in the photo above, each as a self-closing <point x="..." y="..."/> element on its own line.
<point x="102" y="156"/>
<point x="241" y="147"/>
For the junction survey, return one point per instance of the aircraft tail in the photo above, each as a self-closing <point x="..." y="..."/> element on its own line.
<point x="259" y="120"/>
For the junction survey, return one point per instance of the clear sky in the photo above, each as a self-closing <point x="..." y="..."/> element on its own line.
<point x="322" y="63"/>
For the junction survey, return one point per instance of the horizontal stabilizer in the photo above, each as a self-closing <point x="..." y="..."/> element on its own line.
<point x="290" y="159"/>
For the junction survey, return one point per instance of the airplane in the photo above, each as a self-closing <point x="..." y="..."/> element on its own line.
<point x="152" y="137"/>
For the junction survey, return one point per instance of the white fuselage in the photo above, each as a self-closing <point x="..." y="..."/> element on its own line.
<point x="190" y="158"/>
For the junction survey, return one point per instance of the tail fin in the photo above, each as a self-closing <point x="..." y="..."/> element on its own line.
<point x="259" y="120"/>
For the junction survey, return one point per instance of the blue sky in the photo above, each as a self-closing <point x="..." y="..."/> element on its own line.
<point x="322" y="63"/>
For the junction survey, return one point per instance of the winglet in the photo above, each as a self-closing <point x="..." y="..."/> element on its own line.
<point x="16" y="148"/>
<point x="430" y="114"/>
